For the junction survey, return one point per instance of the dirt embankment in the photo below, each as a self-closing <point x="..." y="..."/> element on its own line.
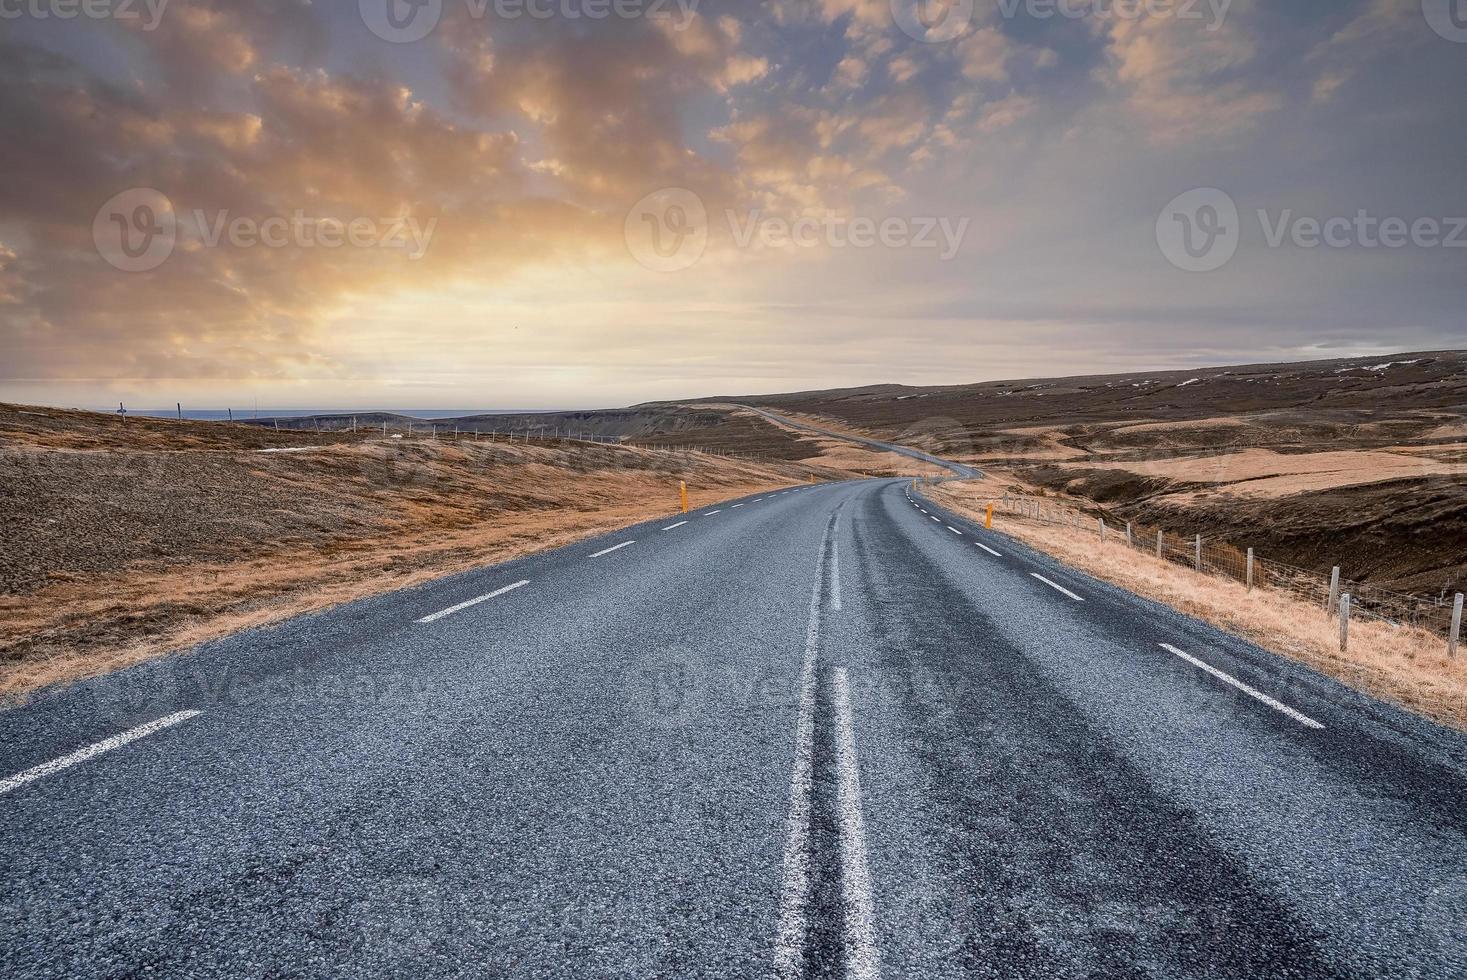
<point x="125" y="540"/>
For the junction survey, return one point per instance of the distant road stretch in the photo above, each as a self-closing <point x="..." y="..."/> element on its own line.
<point x="958" y="469"/>
<point x="827" y="732"/>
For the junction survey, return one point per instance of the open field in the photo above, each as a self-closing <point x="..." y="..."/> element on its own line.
<point x="125" y="540"/>
<point x="1360" y="462"/>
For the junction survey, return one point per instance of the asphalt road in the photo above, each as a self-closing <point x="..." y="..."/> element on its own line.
<point x="828" y="732"/>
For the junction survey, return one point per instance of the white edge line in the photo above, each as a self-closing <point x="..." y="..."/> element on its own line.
<point x="616" y="547"/>
<point x="91" y="751"/>
<point x="1057" y="588"/>
<point x="1302" y="719"/>
<point x="472" y="602"/>
<point x="674" y="527"/>
<point x="988" y="549"/>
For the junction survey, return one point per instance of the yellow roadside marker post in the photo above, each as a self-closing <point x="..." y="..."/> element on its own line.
<point x="684" y="487"/>
<point x="988" y="522"/>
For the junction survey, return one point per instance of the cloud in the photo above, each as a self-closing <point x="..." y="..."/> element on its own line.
<point x="1185" y="81"/>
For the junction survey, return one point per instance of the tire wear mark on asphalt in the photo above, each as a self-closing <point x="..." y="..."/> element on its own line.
<point x="1051" y="855"/>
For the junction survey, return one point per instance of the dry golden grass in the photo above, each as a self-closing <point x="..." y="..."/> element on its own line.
<point x="1262" y="473"/>
<point x="449" y="508"/>
<point x="1405" y="666"/>
<point x="1224" y="422"/>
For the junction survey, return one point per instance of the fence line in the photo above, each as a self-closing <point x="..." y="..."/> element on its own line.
<point x="1438" y="614"/>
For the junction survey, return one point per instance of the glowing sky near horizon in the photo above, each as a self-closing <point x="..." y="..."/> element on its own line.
<point x="1055" y="141"/>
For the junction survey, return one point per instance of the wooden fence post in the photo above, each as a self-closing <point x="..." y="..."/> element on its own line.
<point x="1344" y="622"/>
<point x="1159" y="546"/>
<point x="1250" y="569"/>
<point x="1102" y="530"/>
<point x="1456" y="626"/>
<point x="1130" y="541"/>
<point x="1334" y="592"/>
<point x="1198" y="562"/>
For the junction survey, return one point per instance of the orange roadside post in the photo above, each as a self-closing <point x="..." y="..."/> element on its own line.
<point x="988" y="522"/>
<point x="684" y="488"/>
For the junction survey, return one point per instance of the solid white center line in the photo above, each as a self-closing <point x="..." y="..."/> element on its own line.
<point x="1304" y="720"/>
<point x="953" y="529"/>
<point x="863" y="962"/>
<point x="1057" y="588"/>
<point x="617" y="547"/>
<point x="472" y="602"/>
<point x="988" y="549"/>
<point x="92" y="751"/>
<point x="674" y="527"/>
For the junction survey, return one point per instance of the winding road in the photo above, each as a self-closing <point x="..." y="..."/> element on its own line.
<point x="828" y="732"/>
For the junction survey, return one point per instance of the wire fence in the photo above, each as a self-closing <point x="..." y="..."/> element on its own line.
<point x="1438" y="614"/>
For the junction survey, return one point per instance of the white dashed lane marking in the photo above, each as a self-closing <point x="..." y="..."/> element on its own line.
<point x="472" y="602"/>
<point x="1056" y="587"/>
<point x="92" y="751"/>
<point x="988" y="549"/>
<point x="1302" y="719"/>
<point x="674" y="527"/>
<point x="624" y="544"/>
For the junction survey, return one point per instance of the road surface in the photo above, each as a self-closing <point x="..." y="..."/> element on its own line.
<point x="828" y="732"/>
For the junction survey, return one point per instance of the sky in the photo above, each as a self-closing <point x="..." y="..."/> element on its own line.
<point x="583" y="203"/>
